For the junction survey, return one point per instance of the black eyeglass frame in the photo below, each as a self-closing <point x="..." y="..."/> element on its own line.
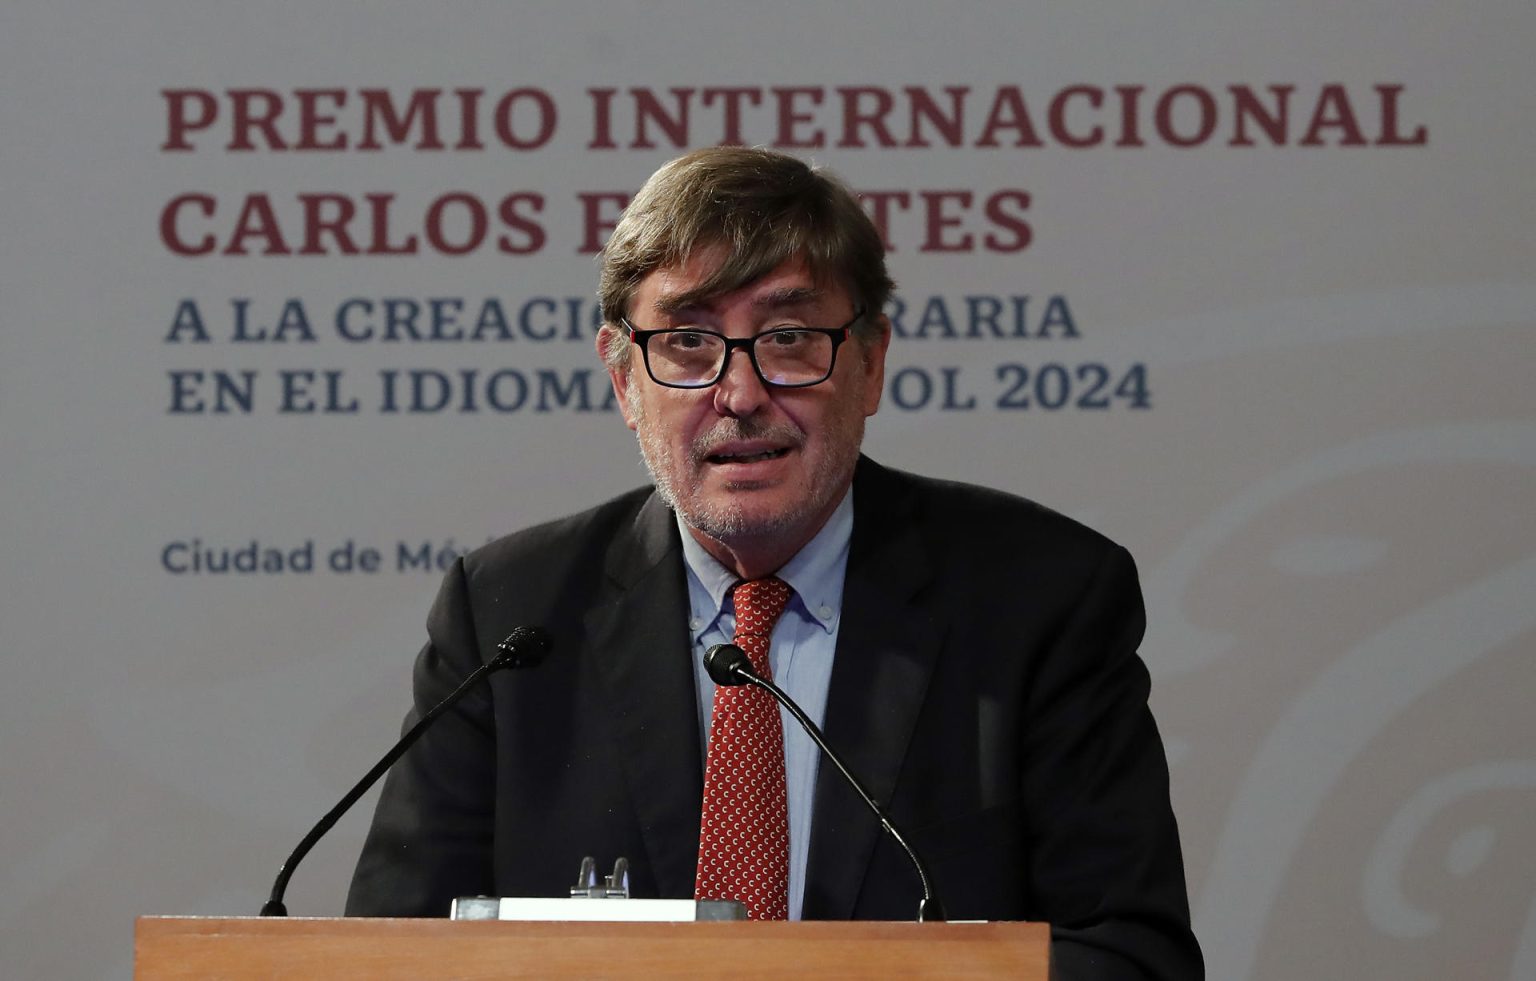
<point x="838" y="335"/>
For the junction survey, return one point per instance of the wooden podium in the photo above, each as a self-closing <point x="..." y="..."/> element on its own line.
<point x="171" y="947"/>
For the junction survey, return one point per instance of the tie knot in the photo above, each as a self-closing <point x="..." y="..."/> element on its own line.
<point x="759" y="603"/>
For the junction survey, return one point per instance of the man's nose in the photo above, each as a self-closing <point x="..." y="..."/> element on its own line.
<point x="740" y="392"/>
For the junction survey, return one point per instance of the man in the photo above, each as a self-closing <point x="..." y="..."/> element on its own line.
<point x="971" y="654"/>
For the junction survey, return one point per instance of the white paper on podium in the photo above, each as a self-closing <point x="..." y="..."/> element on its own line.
<point x="595" y="910"/>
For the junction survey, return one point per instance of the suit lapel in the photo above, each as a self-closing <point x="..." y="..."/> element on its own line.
<point x="640" y="651"/>
<point x="887" y="645"/>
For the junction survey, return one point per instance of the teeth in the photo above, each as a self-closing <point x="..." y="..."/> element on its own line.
<point x="750" y="457"/>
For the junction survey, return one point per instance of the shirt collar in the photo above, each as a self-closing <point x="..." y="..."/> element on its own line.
<point x="815" y="573"/>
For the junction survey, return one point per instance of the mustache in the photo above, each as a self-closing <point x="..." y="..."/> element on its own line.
<point x="730" y="430"/>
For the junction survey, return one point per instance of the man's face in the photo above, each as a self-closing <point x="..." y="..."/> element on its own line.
<point x="744" y="462"/>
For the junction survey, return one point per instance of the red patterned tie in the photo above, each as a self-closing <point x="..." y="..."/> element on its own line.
<point x="744" y="838"/>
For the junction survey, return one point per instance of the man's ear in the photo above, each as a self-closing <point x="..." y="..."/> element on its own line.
<point x="619" y="377"/>
<point x="873" y="365"/>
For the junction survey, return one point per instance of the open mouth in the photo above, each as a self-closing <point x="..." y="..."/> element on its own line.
<point x="747" y="457"/>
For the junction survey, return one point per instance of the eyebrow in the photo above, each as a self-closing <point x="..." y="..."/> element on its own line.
<point x="788" y="296"/>
<point x="784" y="298"/>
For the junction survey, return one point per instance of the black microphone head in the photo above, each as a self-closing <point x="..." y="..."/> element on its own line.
<point x="726" y="664"/>
<point x="525" y="647"/>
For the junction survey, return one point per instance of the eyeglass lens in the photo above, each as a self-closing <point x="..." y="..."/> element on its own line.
<point x="784" y="357"/>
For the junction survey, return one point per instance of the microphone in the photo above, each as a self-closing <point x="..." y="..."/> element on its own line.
<point x="728" y="665"/>
<point x="525" y="647"/>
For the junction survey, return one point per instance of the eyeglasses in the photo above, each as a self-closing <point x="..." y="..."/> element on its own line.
<point x="784" y="357"/>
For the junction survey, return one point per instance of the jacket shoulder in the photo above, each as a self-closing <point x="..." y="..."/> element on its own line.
<point x="544" y="561"/>
<point x="956" y="512"/>
<point x="600" y="522"/>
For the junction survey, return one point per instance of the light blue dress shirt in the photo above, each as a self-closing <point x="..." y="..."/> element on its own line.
<point x="800" y="655"/>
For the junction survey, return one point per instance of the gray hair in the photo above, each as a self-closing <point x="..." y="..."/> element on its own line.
<point x="765" y="208"/>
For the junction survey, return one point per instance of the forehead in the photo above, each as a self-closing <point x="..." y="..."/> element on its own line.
<point x="683" y="289"/>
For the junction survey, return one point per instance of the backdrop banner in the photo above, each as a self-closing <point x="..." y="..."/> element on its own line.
<point x="298" y="304"/>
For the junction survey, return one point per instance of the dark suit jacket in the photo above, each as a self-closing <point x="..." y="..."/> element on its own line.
<point x="986" y="687"/>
